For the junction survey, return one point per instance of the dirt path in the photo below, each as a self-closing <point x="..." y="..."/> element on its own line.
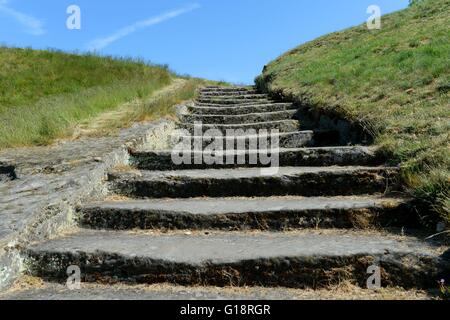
<point x="108" y="122"/>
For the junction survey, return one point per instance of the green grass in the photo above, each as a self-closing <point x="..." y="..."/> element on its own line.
<point x="45" y="94"/>
<point x="160" y="105"/>
<point x="164" y="104"/>
<point x="395" y="82"/>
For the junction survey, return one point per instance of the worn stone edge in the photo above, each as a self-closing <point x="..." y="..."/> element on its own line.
<point x="55" y="218"/>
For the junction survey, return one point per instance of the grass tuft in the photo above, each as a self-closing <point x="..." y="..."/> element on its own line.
<point x="45" y="94"/>
<point x="394" y="82"/>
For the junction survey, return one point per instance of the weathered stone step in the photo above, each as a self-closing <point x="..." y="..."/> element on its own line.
<point x="225" y="102"/>
<point x="324" y="156"/>
<point x="296" y="139"/>
<point x="293" y="259"/>
<point x="252" y="182"/>
<point x="256" y="96"/>
<point x="144" y="292"/>
<point x="237" y="110"/>
<point x="214" y="93"/>
<point x="238" y="119"/>
<point x="281" y="126"/>
<point x="237" y="104"/>
<point x="226" y="89"/>
<point x="277" y="213"/>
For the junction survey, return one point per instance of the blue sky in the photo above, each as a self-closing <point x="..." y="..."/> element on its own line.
<point x="217" y="39"/>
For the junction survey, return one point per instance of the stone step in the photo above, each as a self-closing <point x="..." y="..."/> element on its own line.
<point x="234" y="101"/>
<point x="238" y="119"/>
<point x="237" y="104"/>
<point x="93" y="291"/>
<point x="271" y="126"/>
<point x="296" y="139"/>
<point x="254" y="182"/>
<point x="273" y="213"/>
<point x="293" y="259"/>
<point x="226" y="89"/>
<point x="256" y="96"/>
<point x="215" y="93"/>
<point x="238" y="110"/>
<point x="324" y="156"/>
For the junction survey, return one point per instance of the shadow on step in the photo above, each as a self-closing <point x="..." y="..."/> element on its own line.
<point x="7" y="172"/>
<point x="332" y="127"/>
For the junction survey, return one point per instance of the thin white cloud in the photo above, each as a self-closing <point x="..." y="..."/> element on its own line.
<point x="32" y="25"/>
<point x="101" y="43"/>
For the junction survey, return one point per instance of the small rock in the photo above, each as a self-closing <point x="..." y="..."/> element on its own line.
<point x="98" y="159"/>
<point x="409" y="91"/>
<point x="188" y="233"/>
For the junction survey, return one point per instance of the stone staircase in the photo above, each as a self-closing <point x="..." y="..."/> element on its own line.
<point x="319" y="220"/>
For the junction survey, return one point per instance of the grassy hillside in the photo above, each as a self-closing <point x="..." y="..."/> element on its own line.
<point x="394" y="81"/>
<point x="45" y="94"/>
